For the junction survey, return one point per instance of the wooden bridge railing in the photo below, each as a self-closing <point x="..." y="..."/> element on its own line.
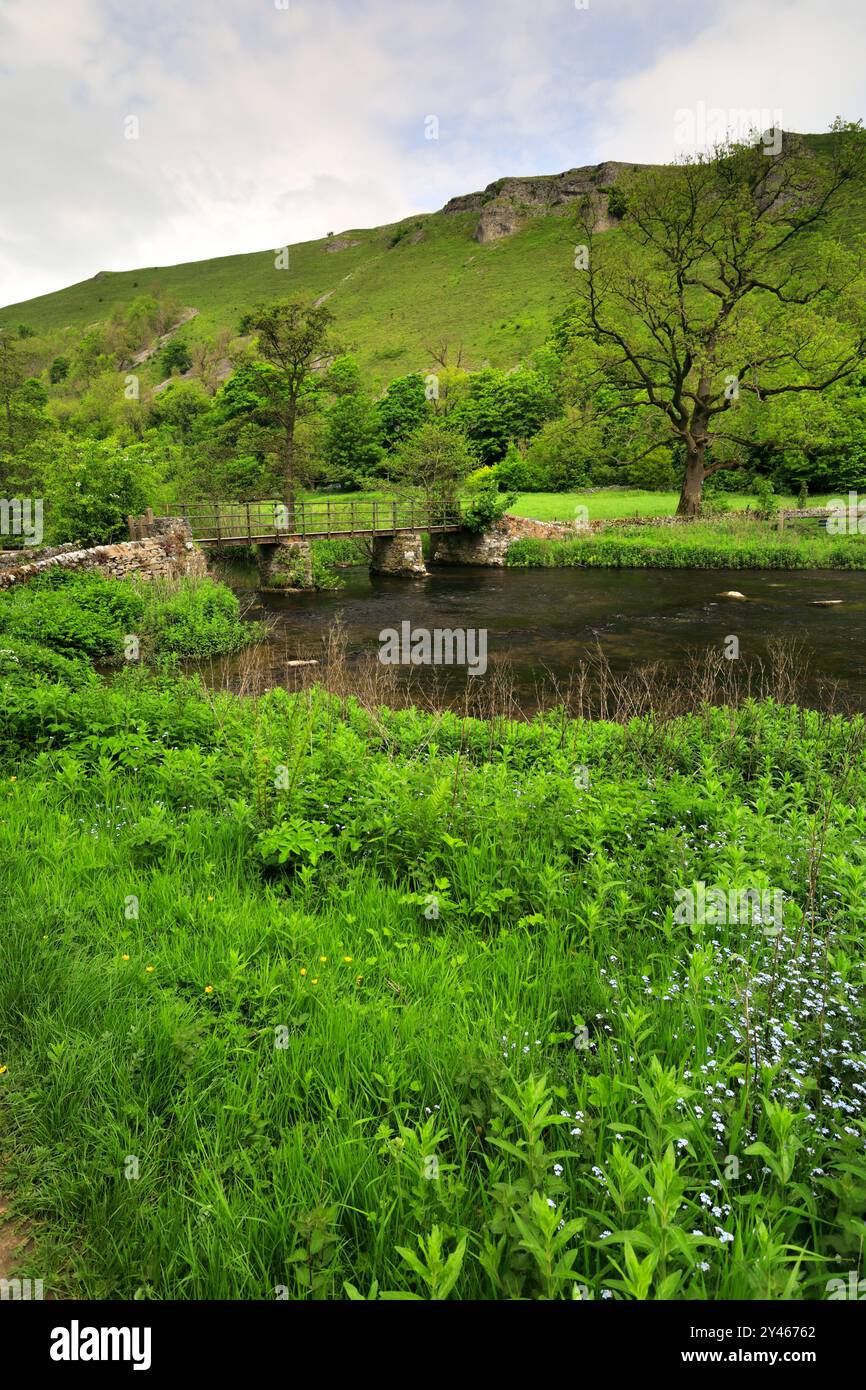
<point x="238" y="523"/>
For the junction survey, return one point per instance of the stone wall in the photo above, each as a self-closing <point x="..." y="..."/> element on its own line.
<point x="400" y="555"/>
<point x="286" y="565"/>
<point x="491" y="547"/>
<point x="168" y="553"/>
<point x="26" y="554"/>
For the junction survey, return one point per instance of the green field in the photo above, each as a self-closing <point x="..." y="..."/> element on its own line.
<point x="611" y="503"/>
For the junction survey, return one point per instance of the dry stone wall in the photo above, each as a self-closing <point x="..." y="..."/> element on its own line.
<point x="168" y="553"/>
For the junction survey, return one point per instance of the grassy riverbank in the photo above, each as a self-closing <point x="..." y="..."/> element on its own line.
<point x="734" y="544"/>
<point x="65" y="620"/>
<point x="301" y="995"/>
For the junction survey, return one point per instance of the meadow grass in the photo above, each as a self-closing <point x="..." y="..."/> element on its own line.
<point x="301" y="997"/>
<point x="622" y="502"/>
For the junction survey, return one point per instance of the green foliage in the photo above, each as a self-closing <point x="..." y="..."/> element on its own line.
<point x="542" y="1103"/>
<point x="499" y="408"/>
<point x="402" y="410"/>
<point x="73" y="614"/>
<point x="91" y="486"/>
<point x="486" y="506"/>
<point x="617" y="201"/>
<point x="19" y="656"/>
<point x="351" y="448"/>
<point x="194" y="619"/>
<point x="175" y="357"/>
<point x="434" y="460"/>
<point x="77" y="614"/>
<point x="767" y="503"/>
<point x="715" y="265"/>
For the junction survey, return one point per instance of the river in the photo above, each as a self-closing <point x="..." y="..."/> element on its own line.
<point x="545" y="623"/>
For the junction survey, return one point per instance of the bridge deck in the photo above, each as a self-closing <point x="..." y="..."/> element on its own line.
<point x="246" y="523"/>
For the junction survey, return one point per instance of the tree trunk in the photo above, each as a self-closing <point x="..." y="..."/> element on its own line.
<point x="289" y="473"/>
<point x="691" y="494"/>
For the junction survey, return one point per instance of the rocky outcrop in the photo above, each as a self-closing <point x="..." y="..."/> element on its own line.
<point x="340" y="243"/>
<point x="168" y="553"/>
<point x="505" y="205"/>
<point x="400" y="556"/>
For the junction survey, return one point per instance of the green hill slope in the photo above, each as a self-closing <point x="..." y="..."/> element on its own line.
<point x="486" y="274"/>
<point x="395" y="291"/>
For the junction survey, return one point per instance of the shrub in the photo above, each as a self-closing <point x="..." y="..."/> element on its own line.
<point x="194" y="618"/>
<point x="74" y="614"/>
<point x="487" y="506"/>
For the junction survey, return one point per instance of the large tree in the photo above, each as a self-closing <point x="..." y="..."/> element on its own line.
<point x="293" y="338"/>
<point x="724" y="287"/>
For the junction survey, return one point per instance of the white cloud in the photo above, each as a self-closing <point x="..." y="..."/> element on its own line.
<point x="797" y="57"/>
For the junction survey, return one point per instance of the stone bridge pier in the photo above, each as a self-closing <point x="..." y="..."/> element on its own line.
<point x="286" y="565"/>
<point x="466" y="547"/>
<point x="399" y="555"/>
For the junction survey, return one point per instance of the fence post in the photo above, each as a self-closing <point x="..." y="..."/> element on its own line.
<point x="394" y="515"/>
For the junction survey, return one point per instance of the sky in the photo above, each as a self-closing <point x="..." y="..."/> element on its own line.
<point x="152" y="134"/>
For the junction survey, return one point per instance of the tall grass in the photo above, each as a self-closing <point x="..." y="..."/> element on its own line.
<point x="302" y="997"/>
<point x="703" y="545"/>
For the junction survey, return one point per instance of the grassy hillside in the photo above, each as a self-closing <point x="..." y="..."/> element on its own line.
<point x="390" y="302"/>
<point x="396" y="291"/>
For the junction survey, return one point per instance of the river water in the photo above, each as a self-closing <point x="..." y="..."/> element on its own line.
<point x="545" y="623"/>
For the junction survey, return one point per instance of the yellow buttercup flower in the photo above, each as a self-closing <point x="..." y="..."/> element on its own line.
<point x="315" y="982"/>
<point x="303" y="970"/>
<point x="323" y="959"/>
<point x="208" y="989"/>
<point x="2" y="1069"/>
<point x="347" y="959"/>
<point x="150" y="969"/>
<point x="124" y="957"/>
